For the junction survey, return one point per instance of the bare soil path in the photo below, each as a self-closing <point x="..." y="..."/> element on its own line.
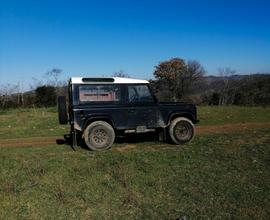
<point x="31" y="141"/>
<point x="229" y="128"/>
<point x="200" y="130"/>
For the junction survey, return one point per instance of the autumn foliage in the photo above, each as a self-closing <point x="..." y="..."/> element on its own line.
<point x="177" y="76"/>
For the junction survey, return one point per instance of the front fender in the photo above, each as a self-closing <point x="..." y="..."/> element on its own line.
<point x="185" y="114"/>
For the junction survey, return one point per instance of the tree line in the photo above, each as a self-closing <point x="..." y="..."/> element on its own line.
<point x="174" y="80"/>
<point x="180" y="80"/>
<point x="43" y="93"/>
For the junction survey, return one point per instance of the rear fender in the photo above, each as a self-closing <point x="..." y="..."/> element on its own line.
<point x="98" y="118"/>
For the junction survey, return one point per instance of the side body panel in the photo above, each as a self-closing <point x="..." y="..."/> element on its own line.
<point x="124" y="115"/>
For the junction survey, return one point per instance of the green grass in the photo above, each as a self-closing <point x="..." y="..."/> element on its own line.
<point x="218" y="115"/>
<point x="43" y="122"/>
<point x="216" y="176"/>
<point x="40" y="122"/>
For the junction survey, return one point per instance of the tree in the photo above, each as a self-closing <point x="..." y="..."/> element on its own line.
<point x="53" y="77"/>
<point x="214" y="99"/>
<point x="253" y="90"/>
<point x="225" y="90"/>
<point x="178" y="75"/>
<point x="121" y="73"/>
<point x="6" y="96"/>
<point x="45" y="96"/>
<point x="20" y="94"/>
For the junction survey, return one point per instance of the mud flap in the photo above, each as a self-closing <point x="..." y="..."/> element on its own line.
<point x="74" y="137"/>
<point x="162" y="135"/>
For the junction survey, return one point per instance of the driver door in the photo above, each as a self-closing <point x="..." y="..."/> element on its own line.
<point x="143" y="111"/>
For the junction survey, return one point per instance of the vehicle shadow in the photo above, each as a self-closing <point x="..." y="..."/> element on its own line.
<point x="130" y="138"/>
<point x="137" y="138"/>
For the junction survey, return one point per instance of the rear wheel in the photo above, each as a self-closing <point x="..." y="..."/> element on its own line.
<point x="99" y="135"/>
<point x="181" y="130"/>
<point x="62" y="110"/>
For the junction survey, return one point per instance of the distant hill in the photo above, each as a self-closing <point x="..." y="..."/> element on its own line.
<point x="213" y="78"/>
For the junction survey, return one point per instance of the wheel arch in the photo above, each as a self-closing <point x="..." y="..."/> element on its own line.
<point x="175" y="115"/>
<point x="98" y="118"/>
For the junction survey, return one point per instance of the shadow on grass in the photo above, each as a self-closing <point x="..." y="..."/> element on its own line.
<point x="127" y="139"/>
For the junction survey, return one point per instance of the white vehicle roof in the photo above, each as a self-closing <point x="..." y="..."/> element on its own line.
<point x="106" y="80"/>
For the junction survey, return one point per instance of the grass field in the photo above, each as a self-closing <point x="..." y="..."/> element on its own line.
<point x="43" y="122"/>
<point x="216" y="176"/>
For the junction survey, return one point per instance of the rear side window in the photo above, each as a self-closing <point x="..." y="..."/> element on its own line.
<point x="99" y="93"/>
<point x="139" y="93"/>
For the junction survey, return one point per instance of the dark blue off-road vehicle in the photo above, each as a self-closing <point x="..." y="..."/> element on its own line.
<point x="101" y="108"/>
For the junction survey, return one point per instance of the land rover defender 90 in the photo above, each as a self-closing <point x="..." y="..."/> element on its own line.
<point x="99" y="109"/>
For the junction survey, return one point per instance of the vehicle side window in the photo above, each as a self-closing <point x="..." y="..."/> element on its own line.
<point x="139" y="93"/>
<point x="99" y="93"/>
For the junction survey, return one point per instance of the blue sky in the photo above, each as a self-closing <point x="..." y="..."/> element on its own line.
<point x="101" y="37"/>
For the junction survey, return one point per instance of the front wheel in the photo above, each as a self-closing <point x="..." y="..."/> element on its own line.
<point x="181" y="130"/>
<point x="99" y="135"/>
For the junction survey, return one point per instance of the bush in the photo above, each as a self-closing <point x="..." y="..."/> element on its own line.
<point x="45" y="96"/>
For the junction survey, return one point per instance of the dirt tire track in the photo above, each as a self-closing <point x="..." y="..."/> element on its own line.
<point x="32" y="141"/>
<point x="200" y="130"/>
<point x="229" y="128"/>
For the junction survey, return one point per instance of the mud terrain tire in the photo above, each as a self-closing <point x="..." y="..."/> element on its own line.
<point x="99" y="135"/>
<point x="181" y="130"/>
